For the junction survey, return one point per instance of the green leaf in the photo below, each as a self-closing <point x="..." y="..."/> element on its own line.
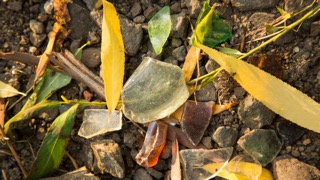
<point x="53" y="81"/>
<point x="28" y="113"/>
<point x="78" y="52"/>
<point x="204" y="11"/>
<point x="52" y="149"/>
<point x="8" y="91"/>
<point x="272" y="29"/>
<point x="159" y="28"/>
<point x="211" y="30"/>
<point x="231" y="52"/>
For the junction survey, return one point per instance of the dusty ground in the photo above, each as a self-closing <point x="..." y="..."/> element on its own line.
<point x="299" y="51"/>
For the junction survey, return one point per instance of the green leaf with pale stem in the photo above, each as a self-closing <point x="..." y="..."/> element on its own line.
<point x="53" y="146"/>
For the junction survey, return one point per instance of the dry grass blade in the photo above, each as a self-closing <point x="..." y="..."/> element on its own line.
<point x="175" y="163"/>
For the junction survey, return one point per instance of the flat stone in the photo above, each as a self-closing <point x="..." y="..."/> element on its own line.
<point x="90" y="4"/>
<point x="154" y="91"/>
<point x="136" y="9"/>
<point x="259" y="19"/>
<point x="254" y="114"/>
<point x="225" y="136"/>
<point x="193" y="159"/>
<point x="179" y="25"/>
<point x="15" y="5"/>
<point x="132" y="35"/>
<point x="289" y="132"/>
<point x="261" y="144"/>
<point x="142" y="174"/>
<point x="245" y="5"/>
<point x="179" y="53"/>
<point x="195" y="120"/>
<point x="206" y="93"/>
<point x="91" y="57"/>
<point x="156" y="174"/>
<point x="109" y="158"/>
<point x="175" y="7"/>
<point x="286" y="167"/>
<point x="36" y="26"/>
<point x="37" y="39"/>
<point x="194" y="8"/>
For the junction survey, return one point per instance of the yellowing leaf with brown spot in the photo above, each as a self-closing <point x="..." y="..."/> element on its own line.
<point x="277" y="95"/>
<point x="8" y="91"/>
<point x="112" y="56"/>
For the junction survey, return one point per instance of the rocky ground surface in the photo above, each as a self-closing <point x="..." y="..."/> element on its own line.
<point x="25" y="25"/>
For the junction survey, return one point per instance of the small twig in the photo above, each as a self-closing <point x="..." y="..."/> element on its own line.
<point x="4" y="175"/>
<point x="32" y="151"/>
<point x="2" y="112"/>
<point x="74" y="163"/>
<point x="13" y="151"/>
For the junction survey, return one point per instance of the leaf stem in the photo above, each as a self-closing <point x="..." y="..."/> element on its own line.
<point x="205" y="76"/>
<point x="287" y="29"/>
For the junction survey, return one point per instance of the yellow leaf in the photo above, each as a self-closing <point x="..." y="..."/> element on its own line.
<point x="277" y="95"/>
<point x="8" y="91"/>
<point x="112" y="56"/>
<point x="190" y="63"/>
<point x="241" y="167"/>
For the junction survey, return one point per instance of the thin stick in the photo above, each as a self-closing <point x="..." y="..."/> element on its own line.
<point x="4" y="175"/>
<point x="13" y="151"/>
<point x="75" y="164"/>
<point x="2" y="113"/>
<point x="22" y="97"/>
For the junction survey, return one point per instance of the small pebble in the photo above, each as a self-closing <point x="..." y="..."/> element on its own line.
<point x="306" y="142"/>
<point x="295" y="153"/>
<point x="296" y="49"/>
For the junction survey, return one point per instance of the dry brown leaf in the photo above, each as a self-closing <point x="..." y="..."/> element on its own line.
<point x="191" y="61"/>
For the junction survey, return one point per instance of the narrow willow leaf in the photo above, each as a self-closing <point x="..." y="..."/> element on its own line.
<point x="8" y="91"/>
<point x="28" y="113"/>
<point x="277" y="95"/>
<point x="211" y="30"/>
<point x="232" y="52"/>
<point x="52" y="149"/>
<point x="159" y="28"/>
<point x="112" y="56"/>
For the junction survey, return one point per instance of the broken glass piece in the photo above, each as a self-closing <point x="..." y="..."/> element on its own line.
<point x="195" y="119"/>
<point x="153" y="144"/>
<point x="154" y="91"/>
<point x="196" y="161"/>
<point x="95" y="122"/>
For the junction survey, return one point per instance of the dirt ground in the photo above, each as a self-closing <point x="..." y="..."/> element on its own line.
<point x="299" y="51"/>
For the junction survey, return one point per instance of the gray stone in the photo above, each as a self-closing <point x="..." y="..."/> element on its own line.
<point x="91" y="57"/>
<point x="48" y="6"/>
<point x="259" y="19"/>
<point x="223" y="10"/>
<point x="254" y="114"/>
<point x="154" y="91"/>
<point x="129" y="139"/>
<point x="156" y="174"/>
<point x="207" y="142"/>
<point x="289" y="132"/>
<point x="90" y="3"/>
<point x="171" y="60"/>
<point x="109" y="158"/>
<point x="206" y="93"/>
<point x="239" y="92"/>
<point x="176" y="42"/>
<point x="179" y="25"/>
<point x="142" y="174"/>
<point x="261" y="144"/>
<point x="15" y="5"/>
<point x="286" y="167"/>
<point x="82" y="14"/>
<point x="194" y="7"/>
<point x="175" y="8"/>
<point x="96" y="15"/>
<point x="179" y="53"/>
<point x="139" y="19"/>
<point x="136" y="9"/>
<point x="225" y="136"/>
<point x="37" y="39"/>
<point x="150" y="12"/>
<point x="245" y="5"/>
<point x="315" y="29"/>
<point x="132" y="35"/>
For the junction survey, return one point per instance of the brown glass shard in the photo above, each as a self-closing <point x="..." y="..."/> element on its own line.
<point x="153" y="144"/>
<point x="195" y="120"/>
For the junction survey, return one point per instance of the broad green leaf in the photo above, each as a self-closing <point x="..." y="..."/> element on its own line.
<point x="112" y="56"/>
<point x="49" y="83"/>
<point x="8" y="91"/>
<point x="28" y="113"/>
<point x="159" y="28"/>
<point x="52" y="149"/>
<point x="277" y="95"/>
<point x="211" y="30"/>
<point x="53" y="81"/>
